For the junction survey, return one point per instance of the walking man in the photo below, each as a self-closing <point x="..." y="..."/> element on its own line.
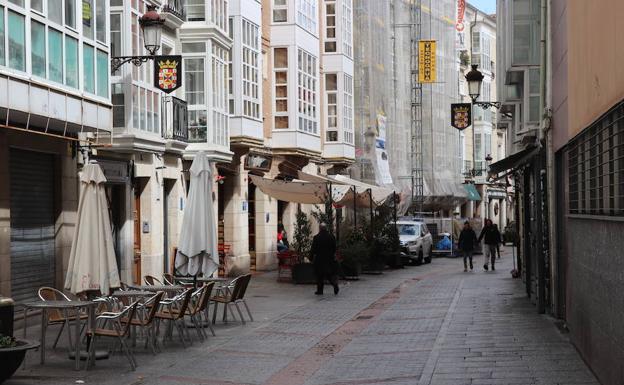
<point x="491" y="237"/>
<point x="498" y="245"/>
<point x="467" y="242"/>
<point x="323" y="255"/>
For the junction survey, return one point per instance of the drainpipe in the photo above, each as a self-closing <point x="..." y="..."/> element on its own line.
<point x="547" y="135"/>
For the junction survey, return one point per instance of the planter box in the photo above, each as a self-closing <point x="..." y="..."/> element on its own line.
<point x="393" y="259"/>
<point x="351" y="273"/>
<point x="11" y="358"/>
<point x="303" y="273"/>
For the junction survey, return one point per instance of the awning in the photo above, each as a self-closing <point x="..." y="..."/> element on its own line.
<point x="292" y="191"/>
<point x="379" y="194"/>
<point x="520" y="158"/>
<point x="471" y="190"/>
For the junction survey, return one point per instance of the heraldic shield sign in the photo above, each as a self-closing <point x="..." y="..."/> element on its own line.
<point x="460" y="115"/>
<point x="168" y="73"/>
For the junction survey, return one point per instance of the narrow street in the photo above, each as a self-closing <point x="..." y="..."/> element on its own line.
<point x="431" y="324"/>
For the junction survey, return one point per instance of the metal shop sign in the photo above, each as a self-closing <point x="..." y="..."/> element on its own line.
<point x="461" y="115"/>
<point x="168" y="73"/>
<point x="427" y="61"/>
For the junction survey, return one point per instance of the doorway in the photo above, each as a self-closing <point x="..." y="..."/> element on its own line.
<point x="116" y="213"/>
<point x="139" y="186"/>
<point x="251" y="221"/>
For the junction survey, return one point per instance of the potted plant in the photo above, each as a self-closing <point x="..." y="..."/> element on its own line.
<point x="353" y="252"/>
<point x="303" y="269"/>
<point x="12" y="353"/>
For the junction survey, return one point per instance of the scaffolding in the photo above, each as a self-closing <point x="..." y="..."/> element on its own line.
<point x="410" y="120"/>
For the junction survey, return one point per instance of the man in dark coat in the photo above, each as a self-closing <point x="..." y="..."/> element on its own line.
<point x="323" y="255"/>
<point x="467" y="243"/>
<point x="491" y="237"/>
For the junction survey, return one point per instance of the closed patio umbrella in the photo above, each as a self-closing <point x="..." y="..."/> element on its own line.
<point x="197" y="251"/>
<point x="92" y="263"/>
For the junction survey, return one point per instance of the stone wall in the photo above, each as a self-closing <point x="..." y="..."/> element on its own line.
<point x="595" y="304"/>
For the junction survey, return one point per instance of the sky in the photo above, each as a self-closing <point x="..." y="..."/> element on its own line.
<point x="487" y="6"/>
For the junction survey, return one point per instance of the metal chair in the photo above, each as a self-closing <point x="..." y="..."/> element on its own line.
<point x="168" y="278"/>
<point x="228" y="296"/>
<point x="151" y="280"/>
<point x="173" y="310"/>
<point x="145" y="318"/>
<point x="121" y="323"/>
<point x="199" y="307"/>
<point x="56" y="316"/>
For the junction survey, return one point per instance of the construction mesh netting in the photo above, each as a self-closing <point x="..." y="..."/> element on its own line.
<point x="385" y="135"/>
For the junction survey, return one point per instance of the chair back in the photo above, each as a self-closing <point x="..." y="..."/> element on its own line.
<point x="168" y="278"/>
<point x="51" y="294"/>
<point x="126" y="321"/>
<point x="186" y="299"/>
<point x="204" y="298"/>
<point x="153" y="304"/>
<point x="238" y="285"/>
<point x="245" y="285"/>
<point x="151" y="280"/>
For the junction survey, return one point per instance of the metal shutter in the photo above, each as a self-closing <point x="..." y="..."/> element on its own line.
<point x="32" y="223"/>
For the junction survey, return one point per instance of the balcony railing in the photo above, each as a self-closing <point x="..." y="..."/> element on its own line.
<point x="176" y="119"/>
<point x="176" y="8"/>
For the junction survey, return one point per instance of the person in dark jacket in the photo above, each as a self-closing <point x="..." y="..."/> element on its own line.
<point x="467" y="243"/>
<point x="491" y="237"/>
<point x="323" y="255"/>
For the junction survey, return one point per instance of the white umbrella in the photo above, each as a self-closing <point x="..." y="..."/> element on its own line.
<point x="197" y="251"/>
<point x="92" y="263"/>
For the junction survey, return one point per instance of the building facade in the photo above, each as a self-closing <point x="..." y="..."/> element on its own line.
<point x="586" y="98"/>
<point x="54" y="95"/>
<point x="476" y="44"/>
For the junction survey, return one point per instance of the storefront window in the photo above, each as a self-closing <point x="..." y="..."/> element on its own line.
<point x="70" y="13"/>
<point x="88" y="62"/>
<point x="194" y="81"/>
<point x="102" y="74"/>
<point x="38" y="49"/>
<point x="100" y="20"/>
<point x="17" y="39"/>
<point x="36" y="5"/>
<point x="55" y="48"/>
<point x="1" y="36"/>
<point x="55" y="11"/>
<point x="87" y="18"/>
<point x="71" y="62"/>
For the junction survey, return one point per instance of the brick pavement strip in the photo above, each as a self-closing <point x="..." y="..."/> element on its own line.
<point x="432" y="325"/>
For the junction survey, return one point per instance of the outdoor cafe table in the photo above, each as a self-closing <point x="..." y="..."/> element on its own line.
<point x="187" y="280"/>
<point x="169" y="289"/>
<point x="138" y="294"/>
<point x="66" y="307"/>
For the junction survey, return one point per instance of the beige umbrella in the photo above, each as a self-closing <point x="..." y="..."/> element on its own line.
<point x="92" y="263"/>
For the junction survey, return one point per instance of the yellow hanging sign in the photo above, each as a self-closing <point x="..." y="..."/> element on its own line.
<point x="427" y="61"/>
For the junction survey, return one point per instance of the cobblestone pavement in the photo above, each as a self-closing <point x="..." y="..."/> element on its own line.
<point x="431" y="324"/>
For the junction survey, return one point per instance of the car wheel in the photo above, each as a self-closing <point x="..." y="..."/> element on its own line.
<point x="421" y="258"/>
<point x="428" y="259"/>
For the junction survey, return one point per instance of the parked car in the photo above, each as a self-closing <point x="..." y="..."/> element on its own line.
<point x="416" y="242"/>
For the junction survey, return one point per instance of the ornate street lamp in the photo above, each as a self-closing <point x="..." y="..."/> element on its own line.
<point x="474" y="79"/>
<point x="151" y="26"/>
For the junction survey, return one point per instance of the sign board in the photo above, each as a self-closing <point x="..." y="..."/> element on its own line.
<point x="461" y="115"/>
<point x="86" y="12"/>
<point x="461" y="10"/>
<point x="114" y="171"/>
<point x="427" y="61"/>
<point x="256" y="161"/>
<point x="168" y="73"/>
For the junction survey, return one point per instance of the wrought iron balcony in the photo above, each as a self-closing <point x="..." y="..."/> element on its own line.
<point x="176" y="119"/>
<point x="175" y="8"/>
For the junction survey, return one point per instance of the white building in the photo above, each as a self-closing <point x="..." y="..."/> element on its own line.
<point x="477" y="45"/>
<point x="54" y="89"/>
